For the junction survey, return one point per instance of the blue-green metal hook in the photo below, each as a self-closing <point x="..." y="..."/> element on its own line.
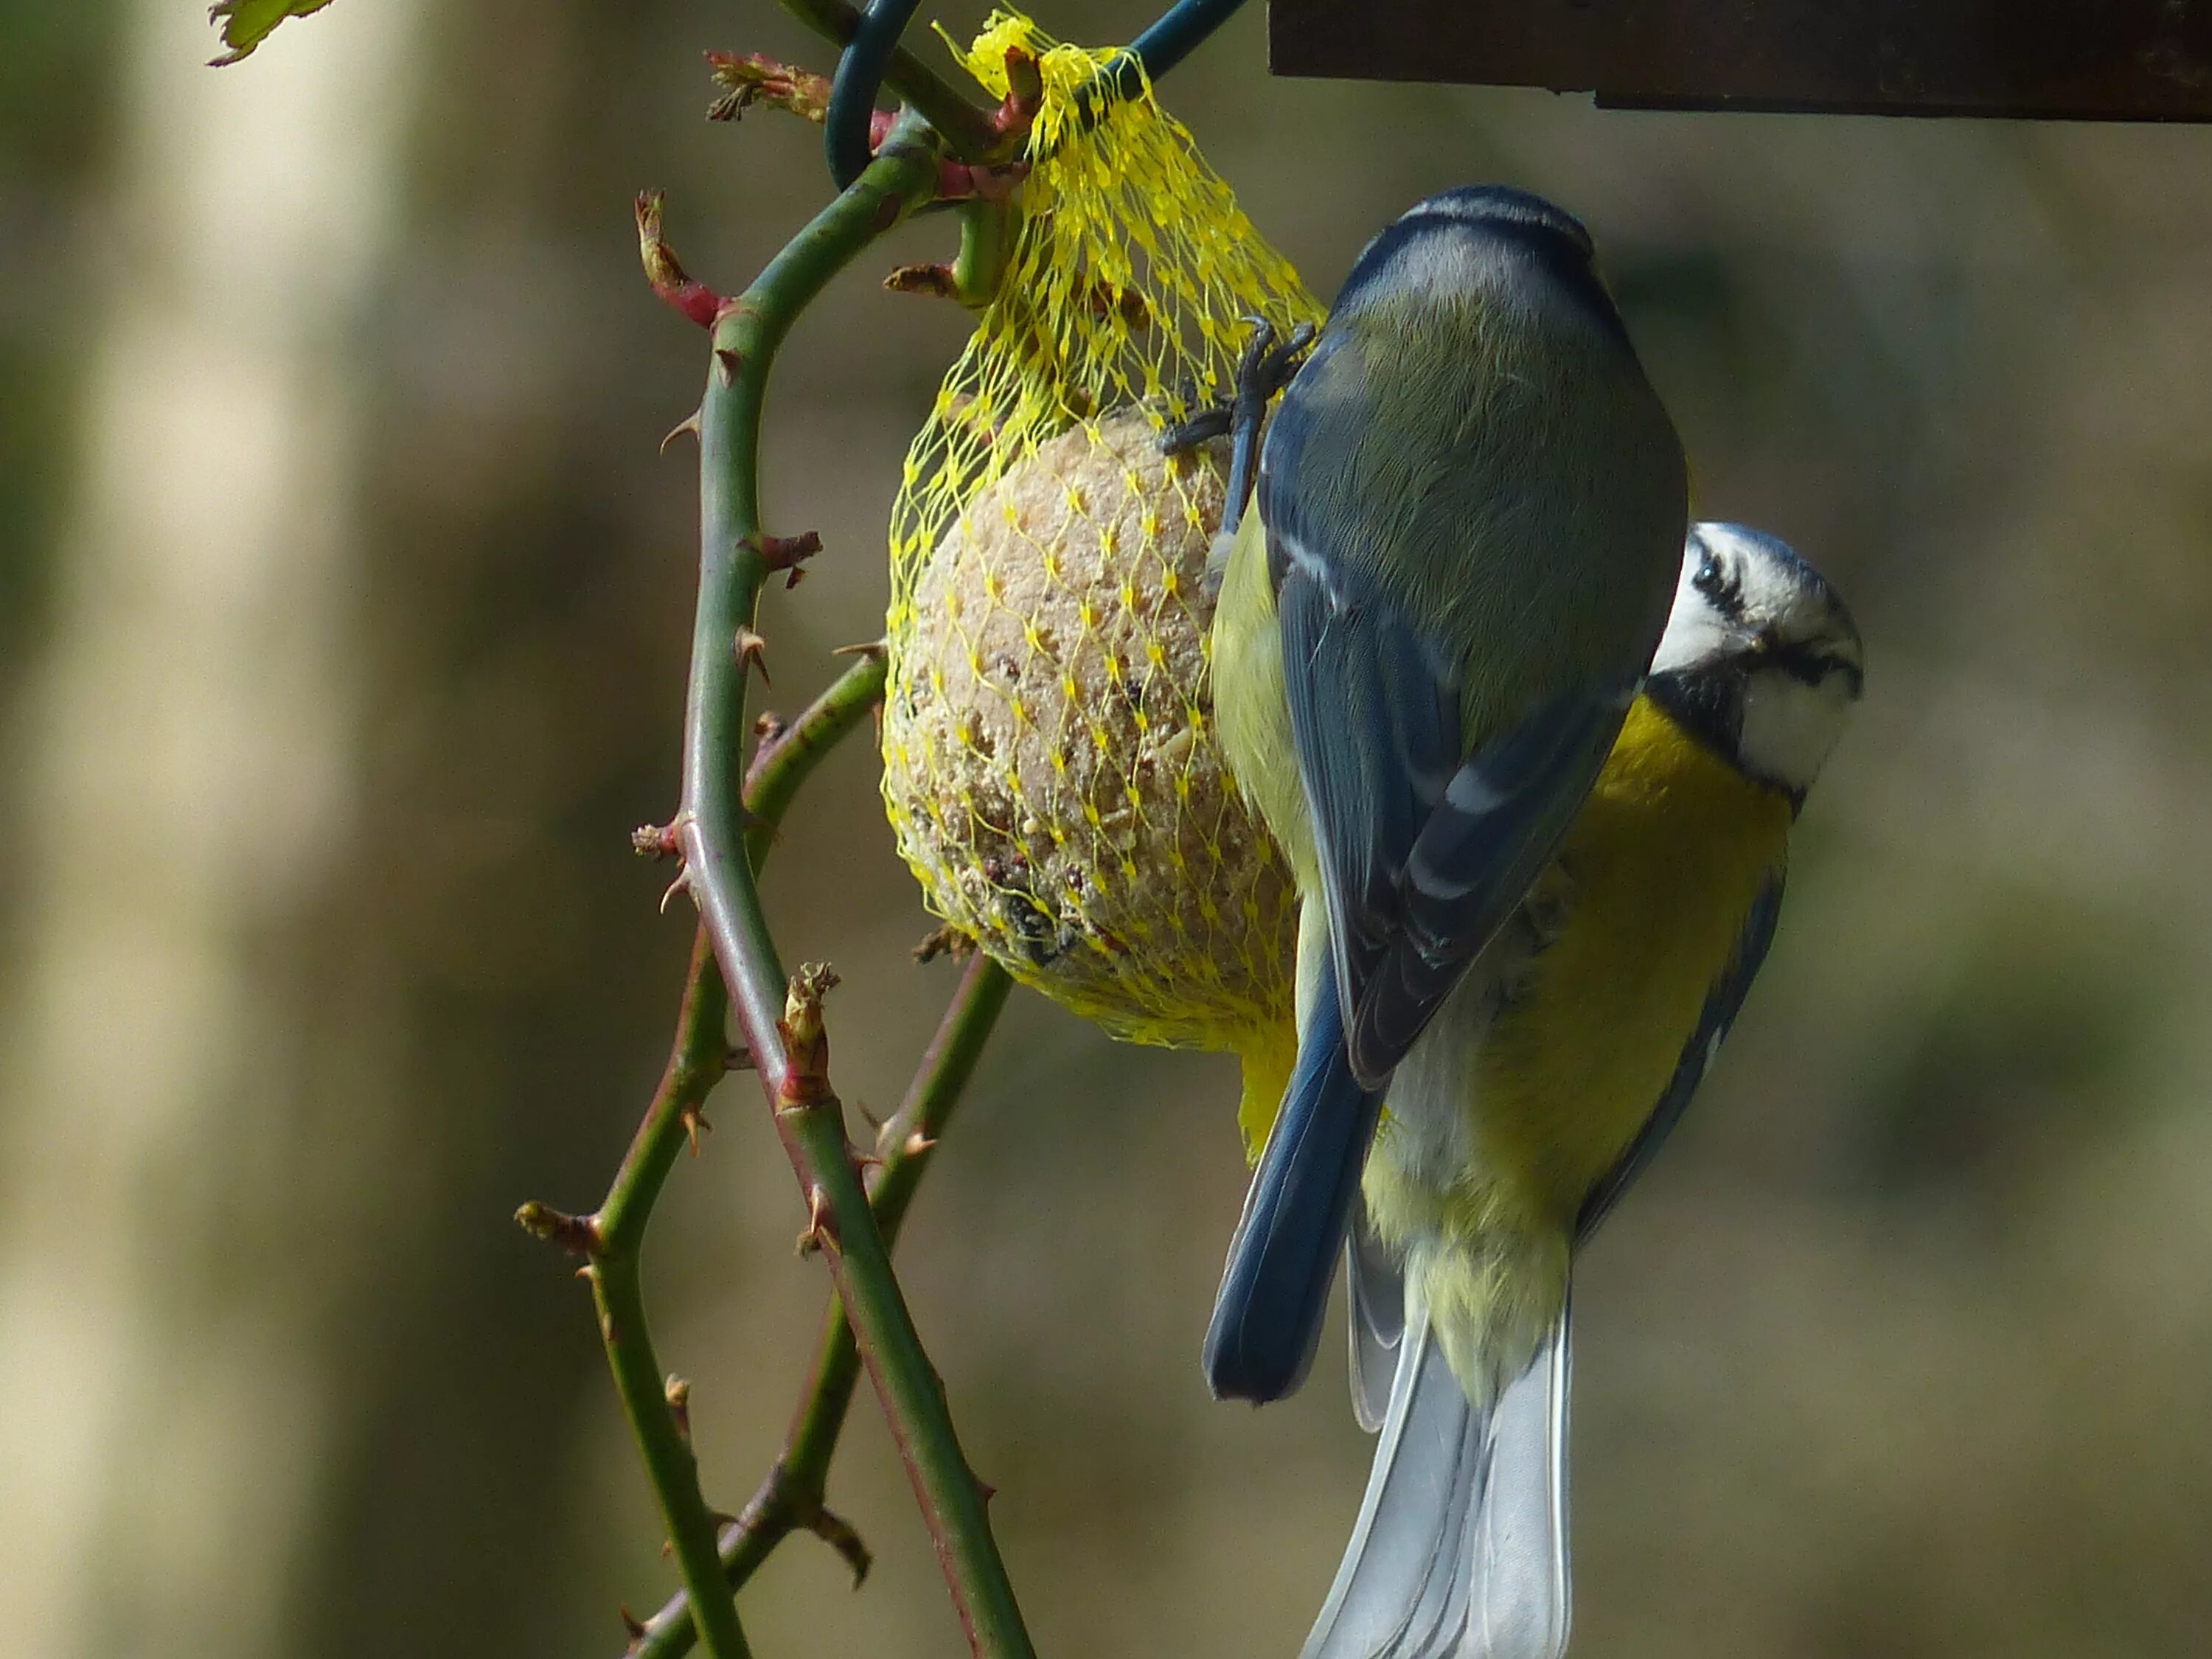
<point x="860" y="69"/>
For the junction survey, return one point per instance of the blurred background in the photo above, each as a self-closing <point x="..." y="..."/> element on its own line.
<point x="343" y="605"/>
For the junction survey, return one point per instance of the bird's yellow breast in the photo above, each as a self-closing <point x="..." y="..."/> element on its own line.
<point x="1655" y="879"/>
<point x="1249" y="704"/>
<point x="1654" y="884"/>
<point x="1496" y="1135"/>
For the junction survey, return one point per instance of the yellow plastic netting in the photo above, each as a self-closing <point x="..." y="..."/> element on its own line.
<point x="1049" y="757"/>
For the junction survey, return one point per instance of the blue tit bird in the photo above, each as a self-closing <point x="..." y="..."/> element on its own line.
<point x="1563" y="1057"/>
<point x="1470" y="511"/>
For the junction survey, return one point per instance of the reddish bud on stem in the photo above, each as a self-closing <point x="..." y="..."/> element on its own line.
<point x="938" y="282"/>
<point x="578" y="1235"/>
<point x="1018" y="110"/>
<point x="788" y="554"/>
<point x="694" y="299"/>
<point x="755" y="78"/>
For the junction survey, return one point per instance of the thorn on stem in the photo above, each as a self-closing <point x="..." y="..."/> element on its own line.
<point x="840" y="1535"/>
<point x="578" y="1235"/>
<point x="752" y="653"/>
<point x="696" y="1125"/>
<point x="681" y="885"/>
<point x="691" y="299"/>
<point x="821" y="1224"/>
<point x="868" y="1117"/>
<point x="984" y="1489"/>
<point x="916" y="1144"/>
<point x="877" y="649"/>
<point x="689" y="423"/>
<point x="679" y="1404"/>
<point x="633" y="1625"/>
<point x="727" y="363"/>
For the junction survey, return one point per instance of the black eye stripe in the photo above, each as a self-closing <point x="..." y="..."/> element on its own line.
<point x="1809" y="666"/>
<point x="1721" y="585"/>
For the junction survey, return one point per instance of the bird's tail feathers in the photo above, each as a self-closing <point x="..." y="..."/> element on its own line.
<point x="1461" y="1548"/>
<point x="1376" y="1318"/>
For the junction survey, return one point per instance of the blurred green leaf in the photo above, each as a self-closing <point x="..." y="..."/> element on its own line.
<point x="246" y="23"/>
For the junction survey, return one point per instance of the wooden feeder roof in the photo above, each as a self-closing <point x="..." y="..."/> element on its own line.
<point x="2123" y="60"/>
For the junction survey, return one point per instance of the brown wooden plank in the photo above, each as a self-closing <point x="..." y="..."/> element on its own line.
<point x="2129" y="60"/>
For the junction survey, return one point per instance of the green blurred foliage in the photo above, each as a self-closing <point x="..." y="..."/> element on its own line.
<point x="246" y="23"/>
<point x="1900" y="1351"/>
<point x="53" y="144"/>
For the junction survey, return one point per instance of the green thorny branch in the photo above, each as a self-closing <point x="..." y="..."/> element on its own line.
<point x="723" y="831"/>
<point x="611" y="1237"/>
<point x="791" y="1498"/>
<point x="781" y="1016"/>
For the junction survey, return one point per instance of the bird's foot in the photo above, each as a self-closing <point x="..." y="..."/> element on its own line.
<point x="1264" y="370"/>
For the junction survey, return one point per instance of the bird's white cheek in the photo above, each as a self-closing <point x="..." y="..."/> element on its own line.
<point x="1695" y="635"/>
<point x="1789" y="727"/>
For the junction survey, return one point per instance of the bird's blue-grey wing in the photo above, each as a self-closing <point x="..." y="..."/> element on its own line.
<point x="1425" y="848"/>
<point x="1722" y="1004"/>
<point x="1425" y="852"/>
<point x="1502" y="816"/>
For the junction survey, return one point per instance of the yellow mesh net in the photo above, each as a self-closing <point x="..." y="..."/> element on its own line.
<point x="1048" y="756"/>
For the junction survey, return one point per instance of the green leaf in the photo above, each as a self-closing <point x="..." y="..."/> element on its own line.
<point x="246" y="23"/>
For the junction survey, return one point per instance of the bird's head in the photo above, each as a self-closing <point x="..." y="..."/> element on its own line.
<point x="1760" y="658"/>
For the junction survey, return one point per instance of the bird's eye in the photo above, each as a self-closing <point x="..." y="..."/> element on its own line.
<point x="1708" y="578"/>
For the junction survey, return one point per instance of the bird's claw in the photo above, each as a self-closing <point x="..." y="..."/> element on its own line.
<point x="1264" y="369"/>
<point x="1202" y="427"/>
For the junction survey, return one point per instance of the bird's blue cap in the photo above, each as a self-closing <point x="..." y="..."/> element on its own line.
<point x="1481" y="218"/>
<point x="1504" y="208"/>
